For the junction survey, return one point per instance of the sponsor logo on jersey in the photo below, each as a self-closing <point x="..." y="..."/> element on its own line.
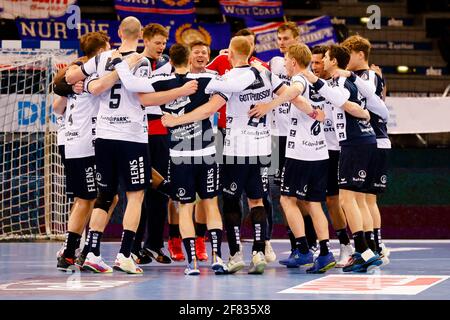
<point x="315" y="128"/>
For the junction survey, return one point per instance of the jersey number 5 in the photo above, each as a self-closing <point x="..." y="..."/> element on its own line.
<point x="115" y="97"/>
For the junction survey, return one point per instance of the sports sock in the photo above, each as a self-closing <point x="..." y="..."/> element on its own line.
<point x="302" y="245"/>
<point x="216" y="241"/>
<point x="343" y="236"/>
<point x="324" y="247"/>
<point x="360" y="242"/>
<point x="127" y="242"/>
<point x="189" y="246"/>
<point x="71" y="244"/>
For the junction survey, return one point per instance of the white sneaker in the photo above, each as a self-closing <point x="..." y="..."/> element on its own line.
<point x="258" y="263"/>
<point x="269" y="253"/>
<point x="344" y="255"/>
<point x="96" y="264"/>
<point x="217" y="265"/>
<point x="126" y="264"/>
<point x="384" y="254"/>
<point x="192" y="268"/>
<point x="236" y="262"/>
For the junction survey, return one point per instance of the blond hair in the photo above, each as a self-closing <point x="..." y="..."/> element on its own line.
<point x="289" y="26"/>
<point x="300" y="53"/>
<point x="240" y="46"/>
<point x="357" y="43"/>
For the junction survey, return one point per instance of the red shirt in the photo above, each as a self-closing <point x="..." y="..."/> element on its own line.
<point x="221" y="65"/>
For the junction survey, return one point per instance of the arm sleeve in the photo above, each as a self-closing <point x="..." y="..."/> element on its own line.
<point x="276" y="82"/>
<point x="133" y="83"/>
<point x="230" y="84"/>
<point x="88" y="80"/>
<point x="367" y="88"/>
<point x="336" y="95"/>
<point x="90" y="66"/>
<point x="377" y="106"/>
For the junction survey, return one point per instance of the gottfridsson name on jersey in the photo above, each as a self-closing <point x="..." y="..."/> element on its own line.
<point x="306" y="138"/>
<point x="249" y="136"/>
<point x="120" y="115"/>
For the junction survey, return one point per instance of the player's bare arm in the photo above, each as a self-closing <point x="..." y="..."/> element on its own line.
<point x="200" y="113"/>
<point x="59" y="105"/>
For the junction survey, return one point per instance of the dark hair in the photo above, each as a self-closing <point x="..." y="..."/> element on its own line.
<point x="153" y="29"/>
<point x="319" y="50"/>
<point x="179" y="55"/>
<point x="244" y="32"/>
<point x="91" y="42"/>
<point x="341" y="54"/>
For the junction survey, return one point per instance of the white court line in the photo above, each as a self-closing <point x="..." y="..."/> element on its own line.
<point x="383" y="240"/>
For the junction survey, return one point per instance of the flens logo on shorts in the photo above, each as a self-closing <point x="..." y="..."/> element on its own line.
<point x="181" y="192"/>
<point x="98" y="176"/>
<point x="233" y="186"/>
<point x="362" y="173"/>
<point x="383" y="178"/>
<point x="305" y="188"/>
<point x="186" y="34"/>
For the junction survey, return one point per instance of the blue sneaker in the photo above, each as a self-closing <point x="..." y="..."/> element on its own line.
<point x="297" y="259"/>
<point x="358" y="264"/>
<point x="322" y="264"/>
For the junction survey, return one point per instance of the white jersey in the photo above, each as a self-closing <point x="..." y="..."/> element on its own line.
<point x="248" y="136"/>
<point x="81" y="118"/>
<point x="120" y="116"/>
<point x="280" y="114"/>
<point x="306" y="138"/>
<point x="328" y="127"/>
<point x="160" y="67"/>
<point x="61" y="133"/>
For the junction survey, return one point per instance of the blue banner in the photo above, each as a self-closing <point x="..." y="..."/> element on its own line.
<point x="318" y="31"/>
<point x="216" y="35"/>
<point x="147" y="9"/>
<point x="256" y="9"/>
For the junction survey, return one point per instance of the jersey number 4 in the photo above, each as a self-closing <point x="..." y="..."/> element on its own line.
<point x="115" y="97"/>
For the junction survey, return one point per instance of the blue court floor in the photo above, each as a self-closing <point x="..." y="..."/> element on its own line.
<point x="418" y="270"/>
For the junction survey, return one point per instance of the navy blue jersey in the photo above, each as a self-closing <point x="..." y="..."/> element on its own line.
<point x="350" y="130"/>
<point x="191" y="139"/>
<point x="378" y="124"/>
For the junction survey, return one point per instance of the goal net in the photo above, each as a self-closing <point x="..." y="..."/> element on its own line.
<point x="33" y="202"/>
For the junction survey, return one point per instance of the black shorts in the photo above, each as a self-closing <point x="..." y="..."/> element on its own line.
<point x="121" y="162"/>
<point x="279" y="148"/>
<point x="333" y="165"/>
<point x="80" y="173"/>
<point x="158" y="146"/>
<point x="190" y="177"/>
<point x="306" y="180"/>
<point x="379" y="172"/>
<point x="355" y="166"/>
<point x="243" y="174"/>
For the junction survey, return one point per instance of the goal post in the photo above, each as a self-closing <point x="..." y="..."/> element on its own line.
<point x="33" y="202"/>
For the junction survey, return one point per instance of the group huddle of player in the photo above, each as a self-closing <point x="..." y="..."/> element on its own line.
<point x="147" y="122"/>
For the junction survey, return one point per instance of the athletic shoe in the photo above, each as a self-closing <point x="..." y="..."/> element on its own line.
<point x="127" y="265"/>
<point x="79" y="261"/>
<point x="175" y="250"/>
<point x="358" y="264"/>
<point x="60" y="252"/>
<point x="158" y="255"/>
<point x="141" y="257"/>
<point x="286" y="261"/>
<point x="269" y="253"/>
<point x="192" y="268"/>
<point x="322" y="264"/>
<point x="314" y="249"/>
<point x="384" y="254"/>
<point x="236" y="262"/>
<point x="217" y="265"/>
<point x="96" y="264"/>
<point x="200" y="248"/>
<point x="258" y="263"/>
<point x="344" y="255"/>
<point x="297" y="259"/>
<point x="66" y="264"/>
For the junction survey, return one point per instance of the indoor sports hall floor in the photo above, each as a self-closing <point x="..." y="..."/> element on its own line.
<point x="418" y="270"/>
